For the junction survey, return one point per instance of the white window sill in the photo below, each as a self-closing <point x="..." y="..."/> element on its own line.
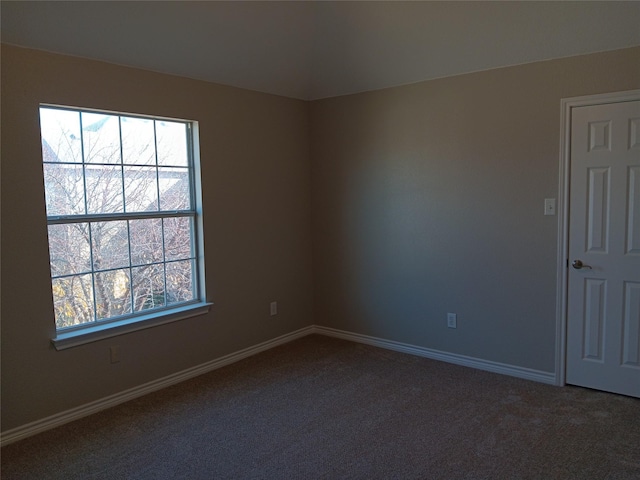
<point x="74" y="338"/>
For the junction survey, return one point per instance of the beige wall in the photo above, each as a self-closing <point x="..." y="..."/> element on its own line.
<point x="255" y="176"/>
<point x="428" y="199"/>
<point x="421" y="199"/>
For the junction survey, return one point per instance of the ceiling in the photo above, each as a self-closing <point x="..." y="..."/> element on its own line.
<point x="311" y="50"/>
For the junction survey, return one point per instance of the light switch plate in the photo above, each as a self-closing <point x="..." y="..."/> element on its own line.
<point x="549" y="206"/>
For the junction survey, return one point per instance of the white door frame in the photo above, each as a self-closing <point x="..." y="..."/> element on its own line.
<point x="567" y="104"/>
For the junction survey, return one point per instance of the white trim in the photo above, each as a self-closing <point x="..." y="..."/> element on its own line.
<point x="463" y="360"/>
<point x="85" y="410"/>
<point x="101" y="331"/>
<point x="566" y="106"/>
<point x="67" y="416"/>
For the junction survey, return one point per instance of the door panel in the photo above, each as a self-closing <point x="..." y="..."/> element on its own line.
<point x="603" y="307"/>
<point x="631" y="333"/>
<point x="598" y="210"/>
<point x="633" y="209"/>
<point x="594" y="319"/>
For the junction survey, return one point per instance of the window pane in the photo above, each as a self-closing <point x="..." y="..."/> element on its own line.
<point x="112" y="172"/>
<point x="113" y="297"/>
<point x="141" y="189"/>
<point x="101" y="137"/>
<point x="110" y="245"/>
<point x="180" y="282"/>
<point x="172" y="143"/>
<point x="138" y="141"/>
<point x="148" y="287"/>
<point x="64" y="189"/>
<point x="174" y="188"/>
<point x="69" y="249"/>
<point x="72" y="300"/>
<point x="146" y="241"/>
<point x="104" y="189"/>
<point x="178" y="238"/>
<point x="60" y="131"/>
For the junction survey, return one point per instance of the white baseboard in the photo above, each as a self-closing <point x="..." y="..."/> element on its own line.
<point x="67" y="416"/>
<point x="487" y="365"/>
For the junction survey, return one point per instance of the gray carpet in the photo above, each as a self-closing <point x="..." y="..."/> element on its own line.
<point x="322" y="408"/>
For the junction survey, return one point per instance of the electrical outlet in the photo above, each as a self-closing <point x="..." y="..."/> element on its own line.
<point x="114" y="354"/>
<point x="549" y="206"/>
<point x="452" y="320"/>
<point x="273" y="308"/>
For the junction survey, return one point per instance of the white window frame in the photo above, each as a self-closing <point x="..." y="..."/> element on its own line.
<point x="71" y="336"/>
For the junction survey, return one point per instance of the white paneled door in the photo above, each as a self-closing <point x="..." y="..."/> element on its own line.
<point x="603" y="305"/>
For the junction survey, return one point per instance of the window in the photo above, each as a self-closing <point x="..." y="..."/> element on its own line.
<point x="123" y="217"/>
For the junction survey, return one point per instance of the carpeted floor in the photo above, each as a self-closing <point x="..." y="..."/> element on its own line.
<point x="322" y="408"/>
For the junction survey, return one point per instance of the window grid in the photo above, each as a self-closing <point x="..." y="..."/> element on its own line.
<point x="92" y="218"/>
<point x="131" y="299"/>
<point x="94" y="311"/>
<point x="124" y="198"/>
